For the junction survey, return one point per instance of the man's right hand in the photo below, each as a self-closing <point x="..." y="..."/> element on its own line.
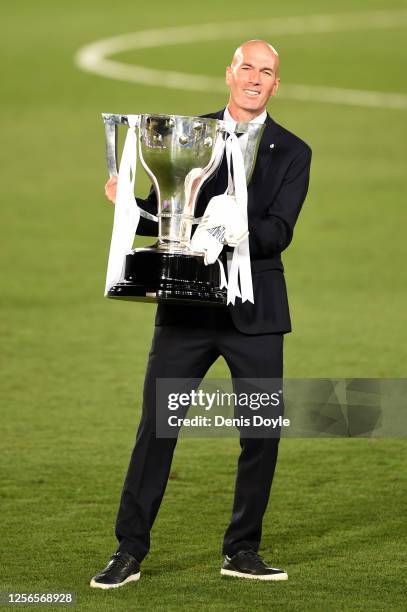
<point x="111" y="188"/>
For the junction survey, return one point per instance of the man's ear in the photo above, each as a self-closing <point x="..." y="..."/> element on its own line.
<point x="228" y="74"/>
<point x="275" y="87"/>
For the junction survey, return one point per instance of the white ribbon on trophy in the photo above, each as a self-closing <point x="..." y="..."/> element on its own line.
<point x="126" y="211"/>
<point x="240" y="270"/>
<point x="225" y="222"/>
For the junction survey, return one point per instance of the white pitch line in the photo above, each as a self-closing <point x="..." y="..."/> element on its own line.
<point x="349" y="97"/>
<point x="94" y="57"/>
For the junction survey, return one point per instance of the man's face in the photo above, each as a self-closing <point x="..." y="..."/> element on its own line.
<point x="252" y="78"/>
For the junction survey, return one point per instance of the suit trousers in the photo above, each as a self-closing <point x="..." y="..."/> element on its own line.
<point x="188" y="352"/>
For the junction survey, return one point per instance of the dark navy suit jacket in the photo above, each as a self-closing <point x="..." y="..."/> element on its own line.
<point x="276" y="194"/>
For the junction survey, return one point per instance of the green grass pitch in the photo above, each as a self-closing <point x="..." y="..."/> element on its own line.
<point x="73" y="362"/>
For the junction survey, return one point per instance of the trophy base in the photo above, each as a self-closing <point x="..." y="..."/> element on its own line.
<point x="154" y="275"/>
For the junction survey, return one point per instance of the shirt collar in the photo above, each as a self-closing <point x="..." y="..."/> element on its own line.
<point x="259" y="119"/>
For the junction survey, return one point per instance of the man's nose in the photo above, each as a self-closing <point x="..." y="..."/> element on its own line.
<point x="255" y="77"/>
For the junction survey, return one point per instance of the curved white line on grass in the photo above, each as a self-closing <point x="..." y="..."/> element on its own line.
<point x="93" y="58"/>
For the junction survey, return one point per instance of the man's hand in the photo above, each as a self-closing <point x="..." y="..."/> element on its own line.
<point x="111" y="188"/>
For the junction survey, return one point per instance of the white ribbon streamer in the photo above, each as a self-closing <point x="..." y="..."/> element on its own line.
<point x="126" y="213"/>
<point x="240" y="268"/>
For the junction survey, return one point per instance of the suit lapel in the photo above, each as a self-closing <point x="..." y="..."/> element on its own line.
<point x="264" y="155"/>
<point x="264" y="167"/>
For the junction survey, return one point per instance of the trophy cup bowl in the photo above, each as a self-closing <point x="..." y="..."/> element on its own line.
<point x="179" y="154"/>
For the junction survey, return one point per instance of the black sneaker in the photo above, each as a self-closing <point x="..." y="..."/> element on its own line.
<point x="248" y="564"/>
<point x="121" y="569"/>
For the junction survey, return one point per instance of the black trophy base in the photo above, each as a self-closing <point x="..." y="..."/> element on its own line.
<point x="154" y="275"/>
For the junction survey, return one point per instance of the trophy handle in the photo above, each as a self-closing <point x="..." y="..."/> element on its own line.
<point x="111" y="133"/>
<point x="111" y="122"/>
<point x="111" y="148"/>
<point x="255" y="132"/>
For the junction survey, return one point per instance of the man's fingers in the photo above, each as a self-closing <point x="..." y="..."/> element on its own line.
<point x="110" y="189"/>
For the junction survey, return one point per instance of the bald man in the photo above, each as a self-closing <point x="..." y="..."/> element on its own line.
<point x="187" y="340"/>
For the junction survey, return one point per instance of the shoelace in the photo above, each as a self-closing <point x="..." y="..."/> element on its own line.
<point x="119" y="560"/>
<point x="255" y="556"/>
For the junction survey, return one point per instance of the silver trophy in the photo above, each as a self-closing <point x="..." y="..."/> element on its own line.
<point x="179" y="154"/>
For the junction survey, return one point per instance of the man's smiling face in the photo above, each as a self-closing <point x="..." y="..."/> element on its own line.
<point x="252" y="79"/>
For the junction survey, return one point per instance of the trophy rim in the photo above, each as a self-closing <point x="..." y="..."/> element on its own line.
<point x="241" y="126"/>
<point x="193" y="117"/>
<point x="200" y="118"/>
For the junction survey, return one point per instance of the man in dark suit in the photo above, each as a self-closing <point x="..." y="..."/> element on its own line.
<point x="187" y="340"/>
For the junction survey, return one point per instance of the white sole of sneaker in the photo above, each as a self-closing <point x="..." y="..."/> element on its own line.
<point x="282" y="576"/>
<point x="99" y="585"/>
